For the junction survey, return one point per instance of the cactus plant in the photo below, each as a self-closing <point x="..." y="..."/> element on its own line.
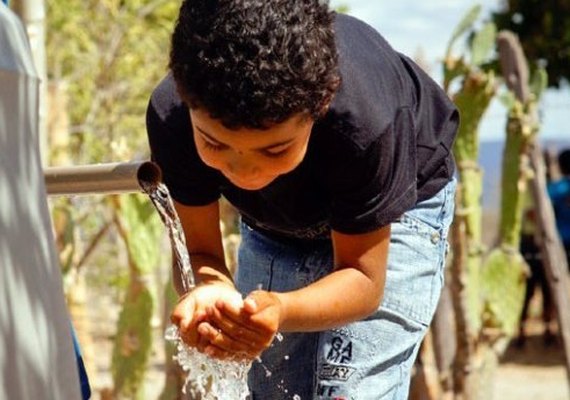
<point x="504" y="271"/>
<point x="477" y="88"/>
<point x="488" y="291"/>
<point x="141" y="230"/>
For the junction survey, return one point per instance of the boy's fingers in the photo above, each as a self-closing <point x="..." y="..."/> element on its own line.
<point x="250" y="305"/>
<point x="230" y="309"/>
<point x="241" y="317"/>
<point x="219" y="339"/>
<point x="239" y="327"/>
<point x="187" y="319"/>
<point x="202" y="343"/>
<point x="189" y="336"/>
<point x="183" y="313"/>
<point x="223" y="310"/>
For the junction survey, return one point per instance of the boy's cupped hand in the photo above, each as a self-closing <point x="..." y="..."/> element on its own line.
<point x="234" y="332"/>
<point x="191" y="309"/>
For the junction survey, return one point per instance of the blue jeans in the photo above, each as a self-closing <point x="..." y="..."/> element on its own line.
<point x="367" y="359"/>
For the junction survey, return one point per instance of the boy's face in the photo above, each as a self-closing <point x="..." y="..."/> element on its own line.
<point x="251" y="159"/>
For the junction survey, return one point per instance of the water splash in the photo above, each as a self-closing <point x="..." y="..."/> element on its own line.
<point x="208" y="378"/>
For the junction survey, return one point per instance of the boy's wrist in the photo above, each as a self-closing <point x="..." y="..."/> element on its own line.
<point x="282" y="299"/>
<point x="210" y="275"/>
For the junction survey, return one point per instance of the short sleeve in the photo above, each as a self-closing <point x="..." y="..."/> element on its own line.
<point x="188" y="179"/>
<point x="373" y="187"/>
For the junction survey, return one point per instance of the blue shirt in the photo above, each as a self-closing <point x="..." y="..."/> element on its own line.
<point x="559" y="192"/>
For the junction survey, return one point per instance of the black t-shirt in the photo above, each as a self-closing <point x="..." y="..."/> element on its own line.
<point x="384" y="144"/>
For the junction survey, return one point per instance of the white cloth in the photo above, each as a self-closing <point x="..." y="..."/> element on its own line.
<point x="37" y="360"/>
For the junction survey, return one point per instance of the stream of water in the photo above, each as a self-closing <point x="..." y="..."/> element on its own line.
<point x="207" y="377"/>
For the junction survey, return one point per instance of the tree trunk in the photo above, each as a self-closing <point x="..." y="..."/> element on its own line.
<point x="553" y="256"/>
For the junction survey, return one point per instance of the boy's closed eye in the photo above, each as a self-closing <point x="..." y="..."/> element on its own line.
<point x="273" y="151"/>
<point x="214" y="146"/>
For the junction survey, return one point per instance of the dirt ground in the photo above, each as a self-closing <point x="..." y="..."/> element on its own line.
<point x="533" y="372"/>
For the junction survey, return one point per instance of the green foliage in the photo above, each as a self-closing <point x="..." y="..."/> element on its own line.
<point x="477" y="55"/>
<point x="483" y="43"/>
<point x="111" y="53"/>
<point x="538" y="82"/>
<point x="133" y="341"/>
<point x="142" y="224"/>
<point x="544" y="31"/>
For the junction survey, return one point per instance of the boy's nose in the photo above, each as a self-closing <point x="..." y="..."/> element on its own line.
<point x="242" y="168"/>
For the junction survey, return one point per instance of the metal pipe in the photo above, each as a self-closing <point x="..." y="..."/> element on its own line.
<point x="102" y="178"/>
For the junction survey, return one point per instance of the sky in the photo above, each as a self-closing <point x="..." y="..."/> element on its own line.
<point x="411" y="25"/>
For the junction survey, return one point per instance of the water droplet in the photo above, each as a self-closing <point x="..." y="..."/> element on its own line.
<point x="171" y="333"/>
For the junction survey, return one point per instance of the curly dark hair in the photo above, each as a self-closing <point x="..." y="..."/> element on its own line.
<point x="254" y="63"/>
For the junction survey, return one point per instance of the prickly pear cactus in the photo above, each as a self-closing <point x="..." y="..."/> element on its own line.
<point x="140" y="228"/>
<point x="505" y="271"/>
<point x="174" y="377"/>
<point x="503" y="282"/>
<point x="478" y="86"/>
<point x="472" y="101"/>
<point x="132" y="342"/>
<point x="477" y="89"/>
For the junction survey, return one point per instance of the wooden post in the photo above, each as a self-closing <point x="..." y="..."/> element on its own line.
<point x="553" y="256"/>
<point x="515" y="70"/>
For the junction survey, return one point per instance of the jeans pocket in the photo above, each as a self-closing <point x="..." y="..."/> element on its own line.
<point x="414" y="275"/>
<point x="433" y="216"/>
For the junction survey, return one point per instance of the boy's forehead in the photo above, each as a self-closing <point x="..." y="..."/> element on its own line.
<point x="289" y="129"/>
<point x="203" y="118"/>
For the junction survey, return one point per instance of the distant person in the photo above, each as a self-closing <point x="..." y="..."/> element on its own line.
<point x="536" y="280"/>
<point x="336" y="150"/>
<point x="559" y="192"/>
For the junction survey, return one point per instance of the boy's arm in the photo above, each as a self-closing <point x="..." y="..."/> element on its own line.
<point x="204" y="242"/>
<point x="351" y="292"/>
<point x="213" y="279"/>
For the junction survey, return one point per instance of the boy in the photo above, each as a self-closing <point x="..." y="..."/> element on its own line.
<point x="335" y="149"/>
